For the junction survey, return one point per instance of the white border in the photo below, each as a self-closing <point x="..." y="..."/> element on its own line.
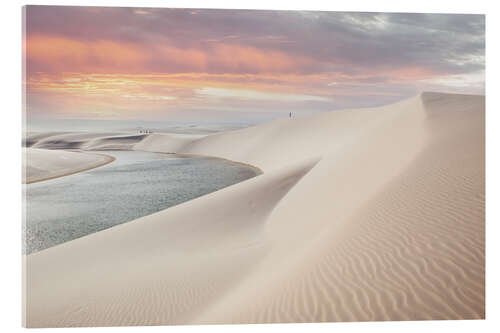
<point x="10" y="110"/>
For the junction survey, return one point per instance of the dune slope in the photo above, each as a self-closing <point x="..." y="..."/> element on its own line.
<point x="43" y="164"/>
<point x="370" y="214"/>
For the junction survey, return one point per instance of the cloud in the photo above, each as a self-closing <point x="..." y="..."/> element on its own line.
<point x="257" y="95"/>
<point x="473" y="82"/>
<point x="126" y="58"/>
<point x="329" y="40"/>
<point x="62" y="54"/>
<point x="141" y="12"/>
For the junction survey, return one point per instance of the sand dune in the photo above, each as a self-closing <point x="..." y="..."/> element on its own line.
<point x="114" y="142"/>
<point x="369" y="214"/>
<point x="65" y="140"/>
<point x="29" y="139"/>
<point x="43" y="164"/>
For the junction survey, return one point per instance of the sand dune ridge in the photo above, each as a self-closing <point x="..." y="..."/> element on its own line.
<point x="369" y="214"/>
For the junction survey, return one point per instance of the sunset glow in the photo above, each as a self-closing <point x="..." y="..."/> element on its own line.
<point x="135" y="63"/>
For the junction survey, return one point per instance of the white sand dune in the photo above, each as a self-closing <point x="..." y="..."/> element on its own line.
<point x="86" y="141"/>
<point x="114" y="142"/>
<point x="31" y="138"/>
<point x="43" y="164"/>
<point x="67" y="140"/>
<point x="369" y="214"/>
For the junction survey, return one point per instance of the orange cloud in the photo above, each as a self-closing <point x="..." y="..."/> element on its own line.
<point x="411" y="73"/>
<point x="180" y="83"/>
<point x="181" y="87"/>
<point x="194" y="59"/>
<point x="250" y="59"/>
<point x="131" y="94"/>
<point x="60" y="54"/>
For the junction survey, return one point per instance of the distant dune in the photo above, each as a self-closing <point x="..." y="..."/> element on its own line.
<point x="368" y="214"/>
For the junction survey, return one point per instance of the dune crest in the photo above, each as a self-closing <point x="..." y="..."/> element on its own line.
<point x="369" y="214"/>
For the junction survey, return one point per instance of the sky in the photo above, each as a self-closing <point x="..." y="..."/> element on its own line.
<point x="163" y="64"/>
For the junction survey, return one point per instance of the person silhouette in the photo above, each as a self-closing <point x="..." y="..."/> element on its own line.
<point x="290" y="115"/>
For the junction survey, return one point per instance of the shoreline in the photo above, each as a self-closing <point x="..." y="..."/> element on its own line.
<point x="209" y="156"/>
<point x="109" y="160"/>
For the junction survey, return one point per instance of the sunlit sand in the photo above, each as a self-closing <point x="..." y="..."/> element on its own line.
<point x="368" y="214"/>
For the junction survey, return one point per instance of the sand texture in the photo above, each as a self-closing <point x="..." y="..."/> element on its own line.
<point x="368" y="214"/>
